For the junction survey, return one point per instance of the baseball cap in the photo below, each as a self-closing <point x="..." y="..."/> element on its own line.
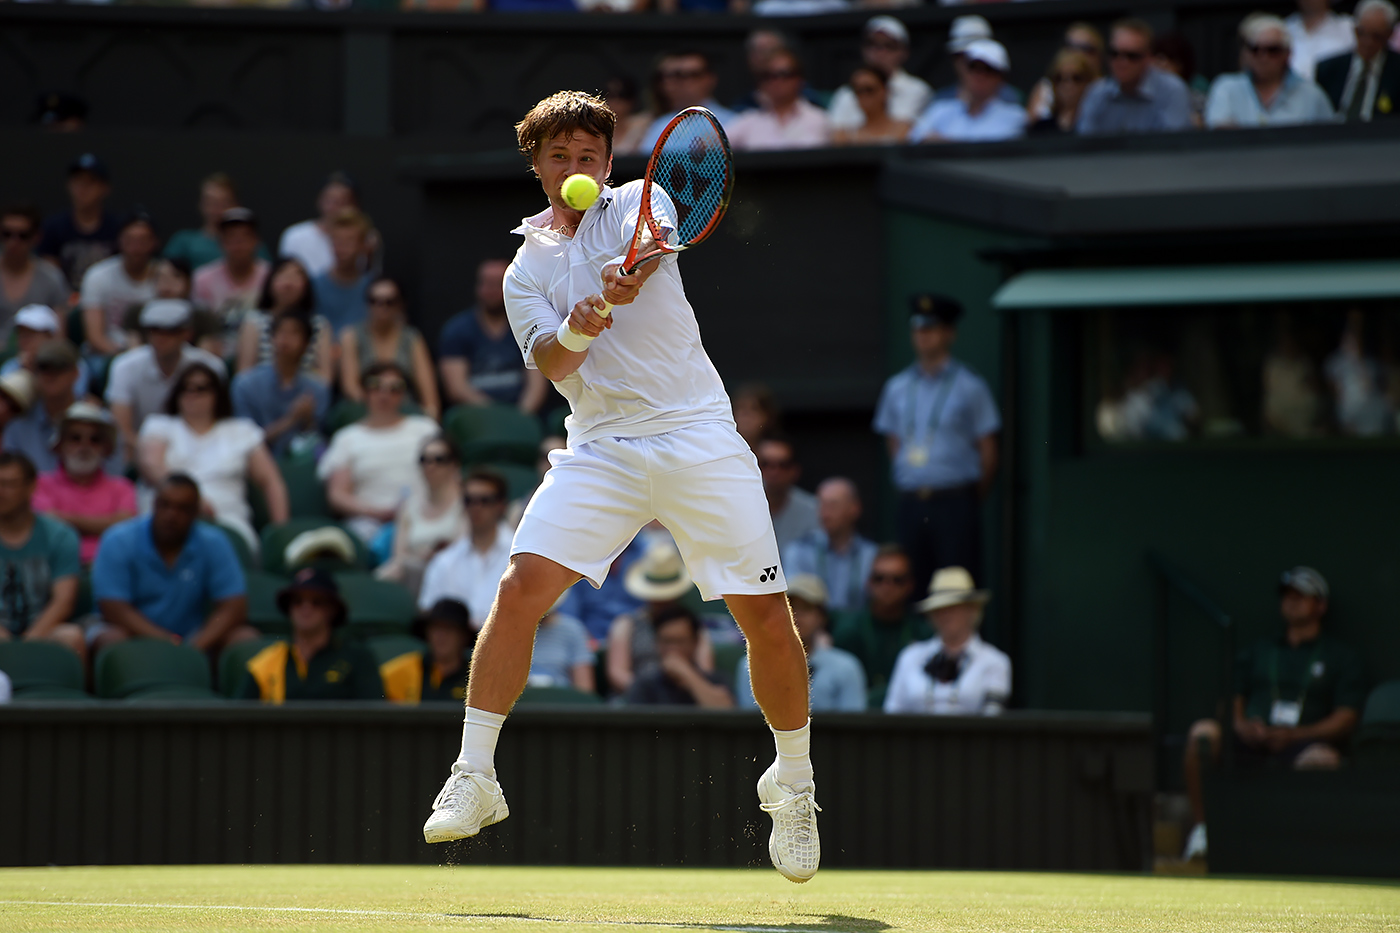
<point x="965" y="30"/>
<point x="990" y="53"/>
<point x="889" y="26"/>
<point x="238" y="215"/>
<point x="809" y="588"/>
<point x="56" y="354"/>
<point x="38" y="317"/>
<point x="930" y="310"/>
<point x="1305" y="580"/>
<point x="87" y="162"/>
<point x="166" y="313"/>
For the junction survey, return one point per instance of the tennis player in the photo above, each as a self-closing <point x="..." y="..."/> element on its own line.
<point x="651" y="436"/>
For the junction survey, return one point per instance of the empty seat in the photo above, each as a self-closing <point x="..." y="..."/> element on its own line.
<point x="263" y="613"/>
<point x="494" y="432"/>
<point x="520" y="480"/>
<point x="1378" y="738"/>
<point x="377" y="607"/>
<point x="153" y="669"/>
<point x="42" y="670"/>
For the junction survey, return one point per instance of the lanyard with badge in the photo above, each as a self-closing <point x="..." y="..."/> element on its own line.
<point x="917" y="452"/>
<point x="1286" y="712"/>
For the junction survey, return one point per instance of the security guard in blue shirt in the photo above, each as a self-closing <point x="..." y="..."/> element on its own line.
<point x="941" y="422"/>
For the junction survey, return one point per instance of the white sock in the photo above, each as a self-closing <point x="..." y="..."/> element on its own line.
<point x="480" y="730"/>
<point x="794" y="755"/>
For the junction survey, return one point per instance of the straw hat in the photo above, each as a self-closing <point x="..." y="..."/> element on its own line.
<point x="328" y="541"/>
<point x="18" y="386"/>
<point x="660" y="576"/>
<point x="952" y="586"/>
<point x="809" y="588"/>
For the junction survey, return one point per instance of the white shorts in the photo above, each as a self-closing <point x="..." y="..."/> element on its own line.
<point x="702" y="482"/>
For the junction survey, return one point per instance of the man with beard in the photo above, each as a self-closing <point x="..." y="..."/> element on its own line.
<point x="80" y="492"/>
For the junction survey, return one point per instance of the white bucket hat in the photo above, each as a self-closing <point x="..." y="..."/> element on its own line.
<point x="952" y="586"/>
<point x="660" y="576"/>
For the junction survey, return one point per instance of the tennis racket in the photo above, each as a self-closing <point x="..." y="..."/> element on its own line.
<point x="692" y="165"/>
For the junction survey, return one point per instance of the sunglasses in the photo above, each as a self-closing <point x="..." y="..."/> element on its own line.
<point x="981" y="68"/>
<point x="1131" y="56"/>
<point x="435" y="460"/>
<point x="774" y="464"/>
<point x="381" y="301"/>
<point x="470" y="501"/>
<point x="385" y="385"/>
<point x="196" y="388"/>
<point x="95" y="439"/>
<point x="1274" y="50"/>
<point x="1084" y="47"/>
<point x="879" y="42"/>
<point x="9" y="233"/>
<point x="307" y="599"/>
<point x="889" y="578"/>
<point x="864" y="89"/>
<point x="693" y="74"/>
<point x="1372" y="35"/>
<point x="783" y="75"/>
<point x="1072" y="78"/>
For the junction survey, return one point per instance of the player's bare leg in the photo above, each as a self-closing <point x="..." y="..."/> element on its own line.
<point x="472" y="798"/>
<point x="778" y="675"/>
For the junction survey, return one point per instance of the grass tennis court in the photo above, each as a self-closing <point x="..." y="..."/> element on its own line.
<point x="216" y="899"/>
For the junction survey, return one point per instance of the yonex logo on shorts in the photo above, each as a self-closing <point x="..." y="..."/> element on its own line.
<point x="769" y="573"/>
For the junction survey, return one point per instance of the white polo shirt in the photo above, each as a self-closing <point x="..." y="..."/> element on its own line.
<point x="459" y="571"/>
<point x="648" y="374"/>
<point x="982" y="687"/>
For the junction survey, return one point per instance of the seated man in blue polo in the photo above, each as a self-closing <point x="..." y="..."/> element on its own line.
<point x="314" y="664"/>
<point x="166" y="575"/>
<point x="1298" y="695"/>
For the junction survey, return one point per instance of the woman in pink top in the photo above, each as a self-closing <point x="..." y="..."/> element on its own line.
<point x="80" y="492"/>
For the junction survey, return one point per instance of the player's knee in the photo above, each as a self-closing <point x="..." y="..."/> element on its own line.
<point x="1318" y="757"/>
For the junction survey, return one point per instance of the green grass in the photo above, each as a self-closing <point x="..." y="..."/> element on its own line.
<point x="258" y="898"/>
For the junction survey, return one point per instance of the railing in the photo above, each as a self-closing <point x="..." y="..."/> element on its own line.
<point x="1169" y="578"/>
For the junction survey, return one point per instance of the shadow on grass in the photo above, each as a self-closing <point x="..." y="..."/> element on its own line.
<point x="818" y="923"/>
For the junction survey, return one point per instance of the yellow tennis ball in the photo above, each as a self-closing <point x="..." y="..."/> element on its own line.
<point x="579" y="192"/>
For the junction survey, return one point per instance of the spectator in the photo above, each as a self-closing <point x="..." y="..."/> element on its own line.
<point x="1318" y="34"/>
<point x="1365" y="85"/>
<point x="940" y="422"/>
<point x="881" y="630"/>
<point x="86" y="233"/>
<point x="39" y="561"/>
<point x="1356" y="378"/>
<point x="313" y="664"/>
<point x="562" y="657"/>
<point x="200" y="246"/>
<point x="55" y="375"/>
<point x="620" y="93"/>
<point x="760" y="44"/>
<point x="838" y="681"/>
<point x="340" y="289"/>
<point x="16" y="395"/>
<point x="700" y="6"/>
<point x="431" y="519"/>
<point x="34" y="326"/>
<point x="658" y="581"/>
<point x="174" y="279"/>
<point x="1266" y="92"/>
<point x="955" y="673"/>
<point x="794" y="510"/>
<point x="279" y="396"/>
<point x="885" y="47"/>
<point x="1071" y="72"/>
<point x="1135" y="97"/>
<point x="786" y="119"/>
<point x="1297" y="697"/>
<point x="113" y="286"/>
<point x="24" y="280"/>
<point x="599" y="608"/>
<point x="287" y="291"/>
<point x="471" y="567"/>
<point x="688" y="80"/>
<point x="200" y="437"/>
<point x="1172" y="53"/>
<point x="478" y="358"/>
<point x="371" y="466"/>
<point x="978" y="113"/>
<point x="756" y="413"/>
<point x="872" y="92"/>
<point x="387" y="337"/>
<point x="446" y="627"/>
<point x="140" y="379"/>
<point x="57" y="112"/>
<point x="310" y="242"/>
<point x="676" y="680"/>
<point x="964" y="31"/>
<point x="835" y="553"/>
<point x="167" y="576"/>
<point x="1079" y="37"/>
<point x="231" y="286"/>
<point x="80" y="492"/>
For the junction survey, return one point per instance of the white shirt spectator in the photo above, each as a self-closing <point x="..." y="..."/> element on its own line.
<point x="908" y="96"/>
<point x="949" y="120"/>
<point x="723" y="114"/>
<point x="462" y="572"/>
<point x="309" y="245"/>
<point x="1333" y="36"/>
<point x="837" y="682"/>
<point x="217" y="460"/>
<point x="383" y="464"/>
<point x="1233" y="101"/>
<point x="807" y="127"/>
<point x="106" y="285"/>
<point x="797" y="518"/>
<point x="135" y="379"/>
<point x="5" y="691"/>
<point x="981" y="688"/>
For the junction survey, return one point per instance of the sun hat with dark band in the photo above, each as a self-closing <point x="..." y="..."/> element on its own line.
<point x="1304" y="580"/>
<point x="660" y="576"/>
<point x="313" y="580"/>
<point x="952" y="586"/>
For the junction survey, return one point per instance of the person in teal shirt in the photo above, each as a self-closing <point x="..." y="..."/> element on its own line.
<point x="200" y="246"/>
<point x="38" y="564"/>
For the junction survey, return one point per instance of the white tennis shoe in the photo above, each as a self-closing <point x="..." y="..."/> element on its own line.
<point x="794" y="846"/>
<point x="466" y="803"/>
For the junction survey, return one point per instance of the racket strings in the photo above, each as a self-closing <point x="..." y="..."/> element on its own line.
<point x="693" y="168"/>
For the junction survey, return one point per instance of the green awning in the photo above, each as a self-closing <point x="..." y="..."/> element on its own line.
<point x="1192" y="285"/>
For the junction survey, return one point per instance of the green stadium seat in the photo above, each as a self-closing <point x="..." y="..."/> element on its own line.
<point x="554" y="696"/>
<point x="153" y="669"/>
<point x="495" y="432"/>
<point x="306" y="494"/>
<point x="240" y="546"/>
<point x="275" y="539"/>
<point x="387" y="647"/>
<point x="377" y="607"/>
<point x="263" y="613"/>
<point x="520" y="480"/>
<point x="42" y="670"/>
<point x="233" y="663"/>
<point x="554" y="424"/>
<point x="1377" y="741"/>
<point x="727" y="659"/>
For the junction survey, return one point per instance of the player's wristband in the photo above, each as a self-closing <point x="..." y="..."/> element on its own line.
<point x="571" y="339"/>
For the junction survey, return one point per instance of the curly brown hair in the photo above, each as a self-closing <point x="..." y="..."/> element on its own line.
<point x="565" y="112"/>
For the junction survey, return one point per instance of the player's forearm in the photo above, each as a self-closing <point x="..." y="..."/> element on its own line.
<point x="555" y="360"/>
